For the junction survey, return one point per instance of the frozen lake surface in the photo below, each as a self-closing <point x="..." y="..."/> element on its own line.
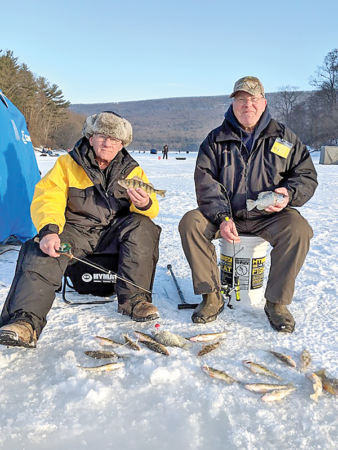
<point x="159" y="402"/>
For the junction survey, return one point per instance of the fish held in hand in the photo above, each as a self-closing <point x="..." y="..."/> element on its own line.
<point x="257" y="368"/>
<point x="284" y="358"/>
<point x="305" y="360"/>
<point x="219" y="374"/>
<point x="171" y="340"/>
<point x="277" y="395"/>
<point x="104" y="368"/>
<point x="208" y="337"/>
<point x="136" y="183"/>
<point x="264" y="200"/>
<point x="329" y="384"/>
<point x="317" y="386"/>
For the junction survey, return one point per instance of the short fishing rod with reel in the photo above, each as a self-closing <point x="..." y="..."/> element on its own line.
<point x="65" y="249"/>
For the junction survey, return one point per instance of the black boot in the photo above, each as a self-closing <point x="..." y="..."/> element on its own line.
<point x="280" y="317"/>
<point x="208" y="310"/>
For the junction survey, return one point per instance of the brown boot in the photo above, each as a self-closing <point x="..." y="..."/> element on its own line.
<point x="18" y="334"/>
<point x="139" y="309"/>
<point x="279" y="317"/>
<point x="208" y="310"/>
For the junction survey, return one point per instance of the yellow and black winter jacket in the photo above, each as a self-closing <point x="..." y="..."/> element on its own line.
<point x="76" y="191"/>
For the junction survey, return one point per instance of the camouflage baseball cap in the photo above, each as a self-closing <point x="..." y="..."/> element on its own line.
<point x="251" y="85"/>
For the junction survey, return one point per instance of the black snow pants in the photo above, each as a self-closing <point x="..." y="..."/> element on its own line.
<point x="133" y="240"/>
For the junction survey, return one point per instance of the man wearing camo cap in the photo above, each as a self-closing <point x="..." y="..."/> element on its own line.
<point x="248" y="154"/>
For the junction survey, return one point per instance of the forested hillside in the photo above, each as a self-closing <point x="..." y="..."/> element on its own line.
<point x="181" y="123"/>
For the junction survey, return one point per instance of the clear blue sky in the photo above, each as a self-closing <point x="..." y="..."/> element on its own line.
<point x="113" y="51"/>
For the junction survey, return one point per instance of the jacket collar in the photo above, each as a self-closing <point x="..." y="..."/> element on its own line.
<point x="230" y="129"/>
<point x="83" y="155"/>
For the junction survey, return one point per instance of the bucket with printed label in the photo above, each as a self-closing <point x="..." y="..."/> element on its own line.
<point x="247" y="261"/>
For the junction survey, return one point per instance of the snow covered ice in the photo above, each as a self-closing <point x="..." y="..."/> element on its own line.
<point x="160" y="402"/>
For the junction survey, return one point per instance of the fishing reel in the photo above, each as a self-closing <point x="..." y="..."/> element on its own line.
<point x="64" y="248"/>
<point x="226" y="292"/>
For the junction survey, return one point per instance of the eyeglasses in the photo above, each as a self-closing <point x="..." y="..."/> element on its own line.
<point x="103" y="138"/>
<point x="244" y="100"/>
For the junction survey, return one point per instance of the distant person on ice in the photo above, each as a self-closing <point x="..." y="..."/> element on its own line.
<point x="248" y="154"/>
<point x="165" y="152"/>
<point x="79" y="202"/>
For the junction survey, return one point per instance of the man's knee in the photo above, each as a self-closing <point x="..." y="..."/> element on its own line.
<point x="299" y="227"/>
<point x="190" y="221"/>
<point x="144" y="229"/>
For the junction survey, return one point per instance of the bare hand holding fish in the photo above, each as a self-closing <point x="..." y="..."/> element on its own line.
<point x="136" y="185"/>
<point x="270" y="201"/>
<point x="139" y="198"/>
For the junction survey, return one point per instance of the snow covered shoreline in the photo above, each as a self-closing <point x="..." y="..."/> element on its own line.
<point x="159" y="402"/>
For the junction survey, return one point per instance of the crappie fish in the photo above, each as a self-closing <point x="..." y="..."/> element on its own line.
<point x="149" y="342"/>
<point x="99" y="354"/>
<point x="208" y="348"/>
<point x="130" y="343"/>
<point x="261" y="387"/>
<point x="277" y="395"/>
<point x="137" y="182"/>
<point x="257" y="368"/>
<point x="219" y="374"/>
<point x="316" y="384"/>
<point x="208" y="337"/>
<point x="104" y="368"/>
<point x="264" y="200"/>
<point x="305" y="360"/>
<point x="171" y="340"/>
<point x="329" y="384"/>
<point x="284" y="358"/>
<point x="105" y="341"/>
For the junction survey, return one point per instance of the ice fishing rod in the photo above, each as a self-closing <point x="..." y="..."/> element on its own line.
<point x="226" y="291"/>
<point x="184" y="304"/>
<point x="236" y="277"/>
<point x="66" y="249"/>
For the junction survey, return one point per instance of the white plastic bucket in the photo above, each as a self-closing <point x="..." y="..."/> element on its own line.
<point x="248" y="264"/>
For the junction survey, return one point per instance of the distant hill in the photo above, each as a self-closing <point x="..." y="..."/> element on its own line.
<point x="182" y="123"/>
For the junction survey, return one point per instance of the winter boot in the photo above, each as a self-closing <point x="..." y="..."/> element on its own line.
<point x="139" y="309"/>
<point x="208" y="310"/>
<point x="18" y="334"/>
<point x="280" y="317"/>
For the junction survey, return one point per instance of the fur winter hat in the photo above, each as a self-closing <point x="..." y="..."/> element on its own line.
<point x="87" y="129"/>
<point x="112" y="125"/>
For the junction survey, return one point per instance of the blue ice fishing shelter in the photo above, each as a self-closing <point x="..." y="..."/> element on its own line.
<point x="19" y="174"/>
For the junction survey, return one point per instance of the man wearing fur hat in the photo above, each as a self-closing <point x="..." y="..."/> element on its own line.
<point x="248" y="154"/>
<point x="80" y="202"/>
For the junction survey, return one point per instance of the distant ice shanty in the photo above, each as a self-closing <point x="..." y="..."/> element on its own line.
<point x="328" y="155"/>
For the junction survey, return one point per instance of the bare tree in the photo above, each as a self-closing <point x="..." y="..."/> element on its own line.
<point x="326" y="79"/>
<point x="288" y="97"/>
